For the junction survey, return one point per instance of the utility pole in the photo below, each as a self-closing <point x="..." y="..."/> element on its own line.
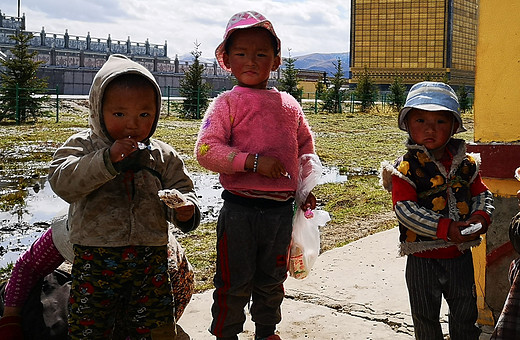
<point x="22" y="20"/>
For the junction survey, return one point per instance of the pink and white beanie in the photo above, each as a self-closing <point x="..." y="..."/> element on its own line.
<point x="243" y="20"/>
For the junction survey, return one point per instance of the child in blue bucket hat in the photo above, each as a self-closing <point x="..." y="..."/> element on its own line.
<point x="442" y="206"/>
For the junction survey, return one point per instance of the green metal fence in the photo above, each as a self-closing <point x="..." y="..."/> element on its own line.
<point x="176" y="102"/>
<point x="49" y="104"/>
<point x="313" y="104"/>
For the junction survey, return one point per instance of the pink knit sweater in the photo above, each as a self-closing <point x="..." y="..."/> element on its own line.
<point x="247" y="121"/>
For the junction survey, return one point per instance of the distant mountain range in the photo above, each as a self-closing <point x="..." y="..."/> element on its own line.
<point x="323" y="62"/>
<point x="315" y="61"/>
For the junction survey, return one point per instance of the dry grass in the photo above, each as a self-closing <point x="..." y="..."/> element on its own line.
<point x="355" y="143"/>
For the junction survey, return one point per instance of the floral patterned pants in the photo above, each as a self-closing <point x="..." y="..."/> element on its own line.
<point x="131" y="279"/>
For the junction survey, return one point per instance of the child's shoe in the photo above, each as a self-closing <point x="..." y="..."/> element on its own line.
<point x="270" y="337"/>
<point x="11" y="328"/>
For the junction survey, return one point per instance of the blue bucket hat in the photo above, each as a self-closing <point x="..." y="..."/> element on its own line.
<point x="431" y="96"/>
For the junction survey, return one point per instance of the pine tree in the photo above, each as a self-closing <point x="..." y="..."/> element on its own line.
<point x="397" y="95"/>
<point x="289" y="80"/>
<point x="320" y="88"/>
<point x="366" y="91"/>
<point x="464" y="100"/>
<point x="20" y="83"/>
<point x="333" y="97"/>
<point x="195" y="92"/>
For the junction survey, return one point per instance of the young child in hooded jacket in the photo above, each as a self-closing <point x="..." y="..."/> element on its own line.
<point x="45" y="255"/>
<point x="111" y="174"/>
<point x="437" y="192"/>
<point x="253" y="136"/>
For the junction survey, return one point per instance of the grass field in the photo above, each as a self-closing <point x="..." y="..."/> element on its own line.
<point x="354" y="143"/>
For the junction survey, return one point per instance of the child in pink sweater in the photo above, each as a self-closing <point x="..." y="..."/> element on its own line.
<point x="254" y="137"/>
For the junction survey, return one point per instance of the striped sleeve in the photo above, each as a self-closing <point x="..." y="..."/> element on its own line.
<point x="483" y="202"/>
<point x="420" y="220"/>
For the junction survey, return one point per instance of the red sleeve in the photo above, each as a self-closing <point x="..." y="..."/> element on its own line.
<point x="478" y="187"/>
<point x="402" y="190"/>
<point x="483" y="214"/>
<point x="442" y="228"/>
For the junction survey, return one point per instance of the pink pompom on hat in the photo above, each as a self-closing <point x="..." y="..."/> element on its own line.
<point x="243" y="20"/>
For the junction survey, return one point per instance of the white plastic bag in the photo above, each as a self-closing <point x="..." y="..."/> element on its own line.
<point x="305" y="246"/>
<point x="308" y="176"/>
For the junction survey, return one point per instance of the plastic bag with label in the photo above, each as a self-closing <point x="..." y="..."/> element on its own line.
<point x="305" y="246"/>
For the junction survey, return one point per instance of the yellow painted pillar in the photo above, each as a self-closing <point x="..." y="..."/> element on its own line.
<point x="497" y="136"/>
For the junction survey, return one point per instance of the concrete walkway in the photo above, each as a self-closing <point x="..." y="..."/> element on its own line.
<point x="357" y="292"/>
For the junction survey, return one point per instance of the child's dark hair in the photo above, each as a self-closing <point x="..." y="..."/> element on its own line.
<point x="133" y="80"/>
<point x="274" y="41"/>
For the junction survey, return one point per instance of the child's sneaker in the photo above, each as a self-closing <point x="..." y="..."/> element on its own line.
<point x="270" y="337"/>
<point x="11" y="327"/>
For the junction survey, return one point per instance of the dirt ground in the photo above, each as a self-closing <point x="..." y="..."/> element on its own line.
<point x="333" y="236"/>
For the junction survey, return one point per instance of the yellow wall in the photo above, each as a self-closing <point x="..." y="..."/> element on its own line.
<point x="497" y="94"/>
<point x="497" y="119"/>
<point x="502" y="187"/>
<point x="309" y="89"/>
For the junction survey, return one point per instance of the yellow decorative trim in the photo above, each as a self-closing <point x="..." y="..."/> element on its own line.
<point x="485" y="316"/>
<point x="502" y="187"/>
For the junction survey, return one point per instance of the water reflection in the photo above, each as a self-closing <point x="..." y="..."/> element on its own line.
<point x="332" y="175"/>
<point x="24" y="224"/>
<point x="41" y="204"/>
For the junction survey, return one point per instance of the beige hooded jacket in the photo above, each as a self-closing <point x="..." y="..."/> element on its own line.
<point x="117" y="205"/>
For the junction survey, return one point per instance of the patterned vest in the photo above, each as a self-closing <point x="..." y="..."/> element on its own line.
<point x="446" y="193"/>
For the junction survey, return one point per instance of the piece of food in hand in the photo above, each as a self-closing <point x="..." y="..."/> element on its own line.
<point x="142" y="146"/>
<point x="172" y="198"/>
<point x="471" y="229"/>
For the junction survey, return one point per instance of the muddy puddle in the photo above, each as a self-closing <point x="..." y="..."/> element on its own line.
<point x="24" y="223"/>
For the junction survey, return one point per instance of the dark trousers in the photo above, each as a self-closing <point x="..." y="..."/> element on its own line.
<point x="252" y="249"/>
<point x="430" y="279"/>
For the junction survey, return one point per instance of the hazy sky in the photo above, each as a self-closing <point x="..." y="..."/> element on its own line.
<point x="304" y="26"/>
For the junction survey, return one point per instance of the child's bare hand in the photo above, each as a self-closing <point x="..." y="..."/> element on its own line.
<point x="475" y="219"/>
<point x="185" y="212"/>
<point x="310" y="202"/>
<point x="122" y="148"/>
<point x="454" y="234"/>
<point x="270" y="167"/>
